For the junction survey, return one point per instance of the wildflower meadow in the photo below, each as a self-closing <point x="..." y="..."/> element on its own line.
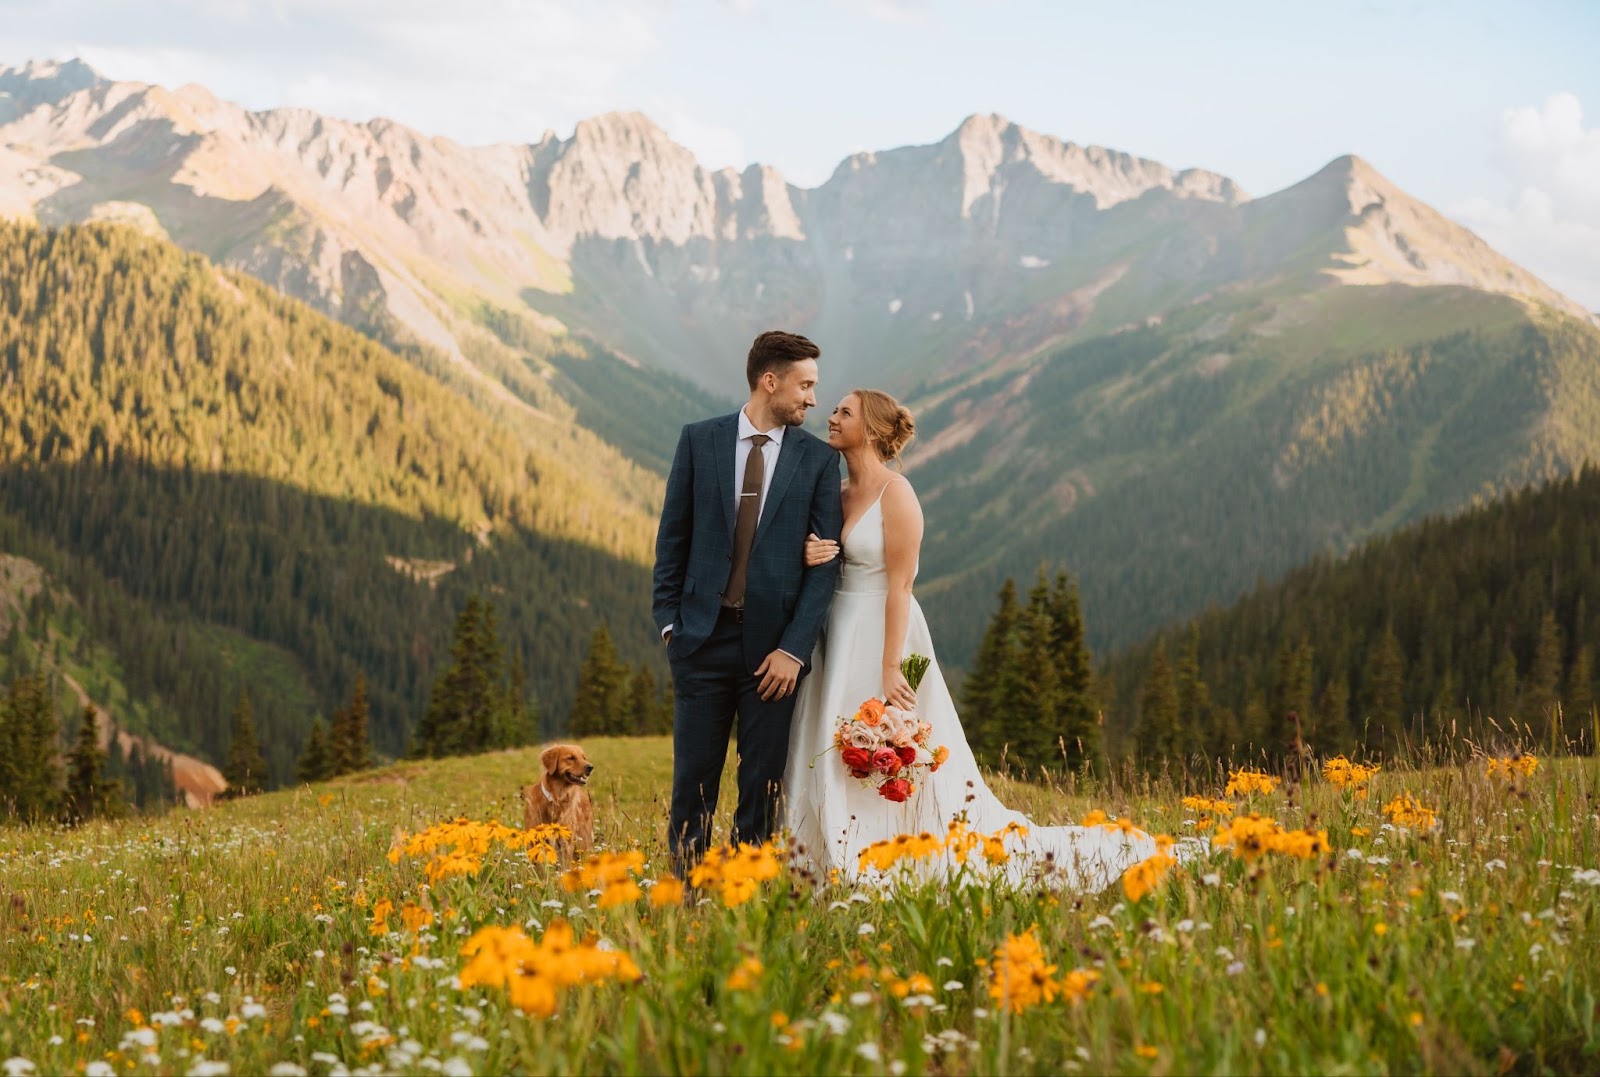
<point x="1348" y="919"/>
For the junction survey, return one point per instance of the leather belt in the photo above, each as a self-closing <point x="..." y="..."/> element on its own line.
<point x="732" y="613"/>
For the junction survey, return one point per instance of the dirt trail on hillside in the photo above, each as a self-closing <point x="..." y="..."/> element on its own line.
<point x="197" y="780"/>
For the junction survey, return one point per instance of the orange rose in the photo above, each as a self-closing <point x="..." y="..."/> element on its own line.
<point x="871" y="712"/>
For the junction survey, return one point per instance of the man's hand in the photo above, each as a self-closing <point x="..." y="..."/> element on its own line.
<point x="778" y="674"/>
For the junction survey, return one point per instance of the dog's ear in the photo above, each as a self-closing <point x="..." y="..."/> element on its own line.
<point x="548" y="758"/>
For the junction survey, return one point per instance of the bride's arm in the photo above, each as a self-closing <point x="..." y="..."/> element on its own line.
<point x="902" y="542"/>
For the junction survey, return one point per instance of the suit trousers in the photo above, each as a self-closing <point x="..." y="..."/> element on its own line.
<point x="712" y="689"/>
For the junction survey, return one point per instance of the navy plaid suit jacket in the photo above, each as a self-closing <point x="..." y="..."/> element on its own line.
<point x="786" y="604"/>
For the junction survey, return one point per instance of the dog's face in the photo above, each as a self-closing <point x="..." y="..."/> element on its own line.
<point x="566" y="763"/>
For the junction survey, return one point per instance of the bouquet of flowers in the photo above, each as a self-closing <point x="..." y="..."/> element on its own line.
<point x="886" y="747"/>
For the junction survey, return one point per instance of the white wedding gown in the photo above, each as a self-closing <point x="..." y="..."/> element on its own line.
<point x="831" y="817"/>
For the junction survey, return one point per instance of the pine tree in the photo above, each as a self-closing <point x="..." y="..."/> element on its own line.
<point x="316" y="761"/>
<point x="1383" y="692"/>
<point x="1332" y="726"/>
<point x="1503" y="690"/>
<point x="1196" y="714"/>
<point x="983" y="696"/>
<point x="1157" y="730"/>
<point x="1580" y="694"/>
<point x="644" y="706"/>
<point x="347" y="748"/>
<point x="246" y="768"/>
<point x="1544" y="682"/>
<point x="1290" y="704"/>
<point x="89" y="794"/>
<point x="600" y="708"/>
<point x="488" y="724"/>
<point x="1035" y="716"/>
<point x="520" y="715"/>
<point x="1253" y="724"/>
<point x="30" y="777"/>
<point x="667" y="713"/>
<point x="1222" y="739"/>
<point x="465" y="710"/>
<point x="1080" y="726"/>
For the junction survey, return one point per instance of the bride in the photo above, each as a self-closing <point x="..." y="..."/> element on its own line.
<point x="873" y="623"/>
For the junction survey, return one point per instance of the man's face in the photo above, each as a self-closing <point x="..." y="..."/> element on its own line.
<point x="796" y="391"/>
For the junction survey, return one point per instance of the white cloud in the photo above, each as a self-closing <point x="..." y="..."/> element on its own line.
<point x="1551" y="220"/>
<point x="481" y="71"/>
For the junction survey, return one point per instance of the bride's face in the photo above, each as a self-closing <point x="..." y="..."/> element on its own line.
<point x="846" y="428"/>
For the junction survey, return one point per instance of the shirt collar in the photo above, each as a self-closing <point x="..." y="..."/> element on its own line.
<point x="747" y="428"/>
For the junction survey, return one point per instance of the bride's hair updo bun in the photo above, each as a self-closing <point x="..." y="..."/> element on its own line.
<point x="889" y="425"/>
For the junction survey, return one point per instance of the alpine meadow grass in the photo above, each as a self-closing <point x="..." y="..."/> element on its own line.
<point x="1351" y="921"/>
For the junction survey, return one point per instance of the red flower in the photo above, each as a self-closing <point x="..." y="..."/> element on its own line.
<point x="895" y="789"/>
<point x="885" y="760"/>
<point x="907" y="755"/>
<point x="857" y="759"/>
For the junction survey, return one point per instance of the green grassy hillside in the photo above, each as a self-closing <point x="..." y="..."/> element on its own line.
<point x="218" y="474"/>
<point x="1173" y="465"/>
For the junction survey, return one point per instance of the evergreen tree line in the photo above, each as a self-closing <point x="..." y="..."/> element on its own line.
<point x="1029" y="701"/>
<point x="1474" y="630"/>
<point x="614" y="699"/>
<point x="39" y="782"/>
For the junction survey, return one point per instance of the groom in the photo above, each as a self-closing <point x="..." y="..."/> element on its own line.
<point x="738" y="609"/>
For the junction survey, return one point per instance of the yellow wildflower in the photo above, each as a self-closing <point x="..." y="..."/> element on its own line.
<point x="1209" y="806"/>
<point x="1245" y="782"/>
<point x="415" y="917"/>
<point x="1146" y="875"/>
<point x="623" y="892"/>
<point x="1509" y="768"/>
<point x="381" y="911"/>
<point x="666" y="892"/>
<point x="1405" y="810"/>
<point x="1344" y="774"/>
<point x="745" y="975"/>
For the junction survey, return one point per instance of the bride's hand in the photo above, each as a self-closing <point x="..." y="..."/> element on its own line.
<point x="819" y="551"/>
<point x="896" y="692"/>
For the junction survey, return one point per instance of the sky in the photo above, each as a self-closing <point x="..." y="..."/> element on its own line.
<point x="1489" y="111"/>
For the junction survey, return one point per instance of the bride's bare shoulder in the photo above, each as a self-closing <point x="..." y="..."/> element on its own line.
<point x="900" y="498"/>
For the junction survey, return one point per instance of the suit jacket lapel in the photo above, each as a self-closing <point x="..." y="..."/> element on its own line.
<point x="788" y="461"/>
<point x="723" y="437"/>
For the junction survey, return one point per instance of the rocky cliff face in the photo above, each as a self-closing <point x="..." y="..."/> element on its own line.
<point x="909" y="265"/>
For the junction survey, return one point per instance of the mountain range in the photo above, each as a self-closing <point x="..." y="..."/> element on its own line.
<point x="1170" y="386"/>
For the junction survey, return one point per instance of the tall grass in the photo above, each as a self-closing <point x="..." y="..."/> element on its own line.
<point x="245" y="936"/>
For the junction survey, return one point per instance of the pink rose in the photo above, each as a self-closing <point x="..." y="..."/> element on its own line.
<point x="885" y="760"/>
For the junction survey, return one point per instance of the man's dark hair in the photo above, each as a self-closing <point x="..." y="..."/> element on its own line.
<point x="776" y="350"/>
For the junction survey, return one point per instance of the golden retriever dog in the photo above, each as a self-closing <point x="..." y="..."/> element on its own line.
<point x="560" y="797"/>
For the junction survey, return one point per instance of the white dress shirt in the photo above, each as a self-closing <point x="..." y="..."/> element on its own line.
<point x="741" y="457"/>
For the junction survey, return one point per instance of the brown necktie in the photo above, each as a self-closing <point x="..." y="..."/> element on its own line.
<point x="744" y="521"/>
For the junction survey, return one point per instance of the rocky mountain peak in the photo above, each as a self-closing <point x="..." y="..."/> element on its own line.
<point x="42" y="82"/>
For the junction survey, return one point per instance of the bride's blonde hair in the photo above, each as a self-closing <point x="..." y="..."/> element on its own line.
<point x="889" y="424"/>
